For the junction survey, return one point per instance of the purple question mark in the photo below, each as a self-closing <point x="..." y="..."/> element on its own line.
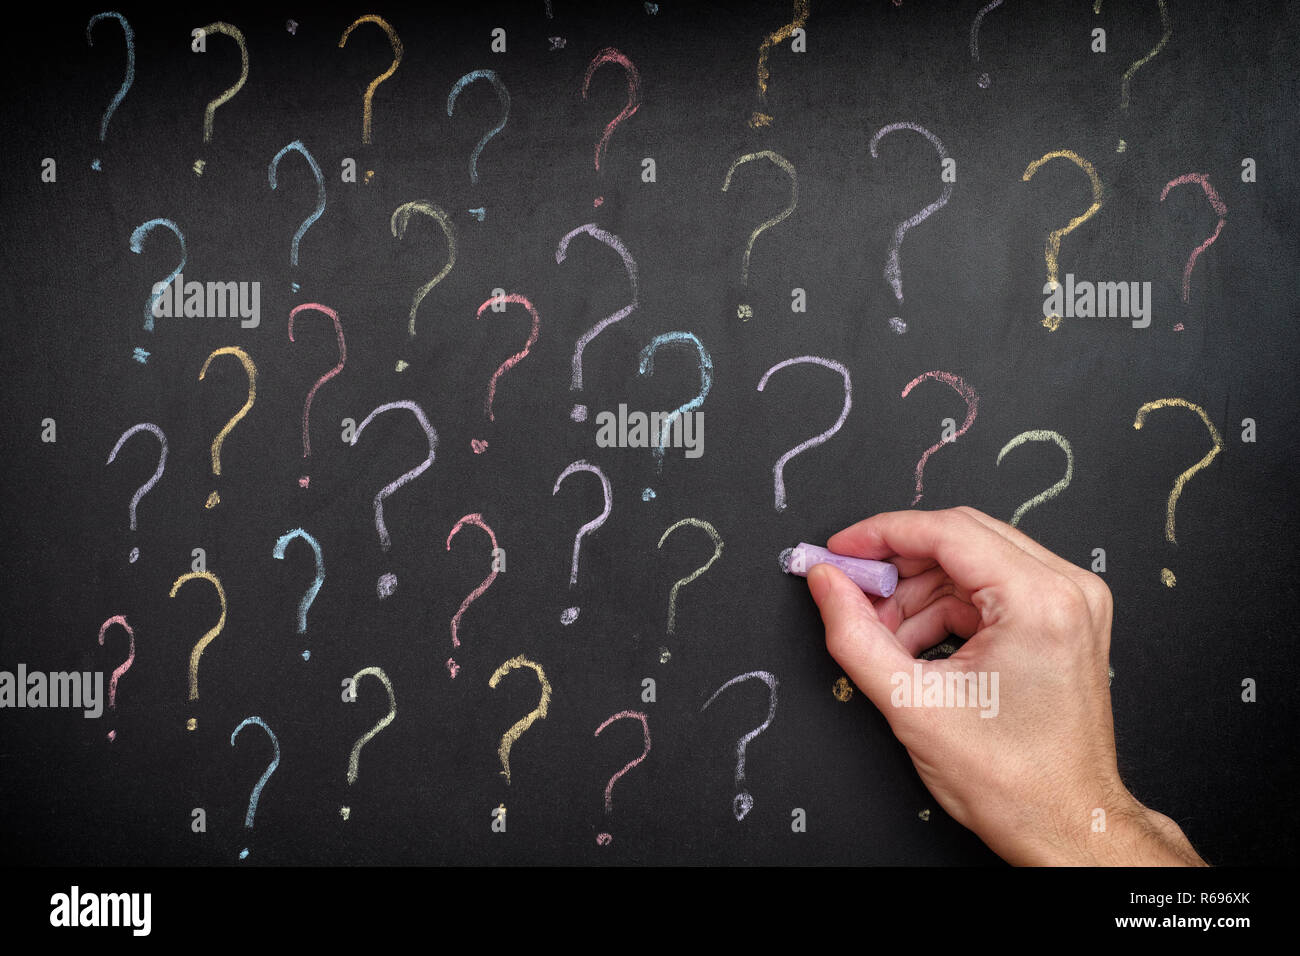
<point x="148" y="485"/>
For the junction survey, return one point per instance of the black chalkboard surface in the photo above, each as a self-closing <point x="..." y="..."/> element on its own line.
<point x="639" y="195"/>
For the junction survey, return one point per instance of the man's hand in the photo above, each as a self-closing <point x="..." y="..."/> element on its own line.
<point x="1028" y="780"/>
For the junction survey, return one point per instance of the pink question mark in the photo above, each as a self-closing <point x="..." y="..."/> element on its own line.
<point x="343" y="357"/>
<point x="611" y="55"/>
<point x="605" y="839"/>
<point x="477" y="520"/>
<point x="1219" y="207"/>
<point x="579" y="413"/>
<point x="778" y="470"/>
<point x="478" y="445"/>
<point x="972" y="405"/>
<point x="121" y="668"/>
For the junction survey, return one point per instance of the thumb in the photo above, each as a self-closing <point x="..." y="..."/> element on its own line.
<point x="864" y="647"/>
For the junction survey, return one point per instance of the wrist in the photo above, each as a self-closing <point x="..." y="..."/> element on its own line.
<point x="1119" y="831"/>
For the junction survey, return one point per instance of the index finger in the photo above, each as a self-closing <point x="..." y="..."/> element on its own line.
<point x="973" y="555"/>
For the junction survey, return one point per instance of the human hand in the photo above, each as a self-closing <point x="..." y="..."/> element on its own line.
<point x="1030" y="760"/>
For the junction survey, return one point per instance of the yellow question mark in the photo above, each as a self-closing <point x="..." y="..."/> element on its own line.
<point x="717" y="553"/>
<point x="509" y="738"/>
<point x="401" y="217"/>
<point x="354" y="767"/>
<point x="1053" y="321"/>
<point x="1180" y="482"/>
<point x="214" y="499"/>
<point x="1041" y="434"/>
<point x="801" y="9"/>
<point x="1138" y="64"/>
<point x="374" y="84"/>
<point x="207" y="638"/>
<point x="209" y="113"/>
<point x="744" y="311"/>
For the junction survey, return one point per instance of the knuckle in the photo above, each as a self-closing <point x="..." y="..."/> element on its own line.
<point x="1099" y="595"/>
<point x="1066" y="607"/>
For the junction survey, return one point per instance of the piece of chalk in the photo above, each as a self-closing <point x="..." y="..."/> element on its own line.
<point x="874" y="577"/>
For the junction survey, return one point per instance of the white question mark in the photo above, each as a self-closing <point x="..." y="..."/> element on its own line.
<point x="778" y="470"/>
<point x="744" y="801"/>
<point x="571" y="614"/>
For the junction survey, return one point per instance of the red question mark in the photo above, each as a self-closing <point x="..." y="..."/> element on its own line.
<point x="1219" y="207"/>
<point x="477" y="520"/>
<point x="121" y="668"/>
<point x="343" y="357"/>
<point x="972" y="405"/>
<point x="605" y="839"/>
<point x="478" y="445"/>
<point x="611" y="55"/>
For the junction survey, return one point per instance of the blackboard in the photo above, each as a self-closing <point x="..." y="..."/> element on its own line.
<point x="970" y="277"/>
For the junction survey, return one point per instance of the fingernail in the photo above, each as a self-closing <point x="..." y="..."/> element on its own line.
<point x="818" y="582"/>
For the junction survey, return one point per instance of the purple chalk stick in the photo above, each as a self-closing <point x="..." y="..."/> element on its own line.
<point x="874" y="577"/>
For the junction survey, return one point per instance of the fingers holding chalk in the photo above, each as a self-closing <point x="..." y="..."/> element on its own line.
<point x="874" y="577"/>
<point x="974" y="556"/>
<point x="855" y="637"/>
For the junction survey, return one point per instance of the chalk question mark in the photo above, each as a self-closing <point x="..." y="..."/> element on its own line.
<point x="972" y="406"/>
<point x="271" y="170"/>
<point x="1053" y="250"/>
<point x="343" y="357"/>
<point x="160" y="288"/>
<point x="479" y="446"/>
<point x="354" y="758"/>
<point x="1049" y="493"/>
<point x="396" y="43"/>
<point x="646" y="366"/>
<point x="202" y="644"/>
<point x="121" y="668"/>
<point x="984" y="80"/>
<point x="894" y="268"/>
<point x="571" y="614"/>
<point x="148" y="485"/>
<point x="744" y="311"/>
<point x="511" y="736"/>
<point x="388" y="580"/>
<point x="266" y="775"/>
<point x="744" y="801"/>
<point x="502" y="94"/>
<point x="283" y="542"/>
<point x="579" y="413"/>
<point x="611" y="55"/>
<point x="401" y="217"/>
<point x="129" y="37"/>
<point x="801" y="10"/>
<point x="250" y="370"/>
<point x="778" y="470"/>
<point x="1220" y="208"/>
<point x="712" y="532"/>
<point x="210" y="110"/>
<point x="604" y="839"/>
<point x="477" y="520"/>
<point x="1138" y="64"/>
<point x="1181" y="481"/>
